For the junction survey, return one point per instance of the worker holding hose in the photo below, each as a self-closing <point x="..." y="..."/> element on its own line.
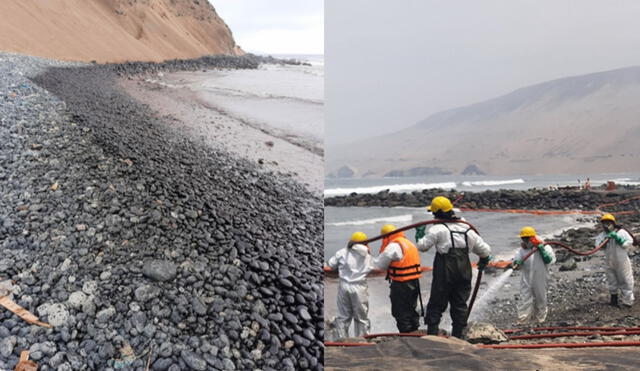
<point x="353" y="264"/>
<point x="401" y="259"/>
<point x="533" y="259"/>
<point x="451" y="267"/>
<point x="618" y="269"/>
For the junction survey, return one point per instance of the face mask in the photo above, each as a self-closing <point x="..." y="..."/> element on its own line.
<point x="607" y="227"/>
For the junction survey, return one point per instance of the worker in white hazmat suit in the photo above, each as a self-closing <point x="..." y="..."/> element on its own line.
<point x="618" y="268"/>
<point x="353" y="263"/>
<point x="534" y="276"/>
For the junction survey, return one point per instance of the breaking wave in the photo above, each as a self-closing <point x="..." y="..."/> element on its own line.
<point x="484" y="183"/>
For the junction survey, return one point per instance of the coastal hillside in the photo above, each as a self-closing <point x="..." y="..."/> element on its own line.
<point x="114" y="30"/>
<point x="579" y="124"/>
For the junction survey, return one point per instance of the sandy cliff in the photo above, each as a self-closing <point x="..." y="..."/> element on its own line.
<point x="114" y="30"/>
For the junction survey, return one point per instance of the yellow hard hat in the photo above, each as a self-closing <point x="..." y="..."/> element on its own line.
<point x="527" y="232"/>
<point x="608" y="217"/>
<point x="387" y="228"/>
<point x="440" y="203"/>
<point x="358" y="237"/>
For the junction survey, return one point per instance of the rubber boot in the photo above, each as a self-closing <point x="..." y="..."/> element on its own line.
<point x="457" y="332"/>
<point x="432" y="329"/>
<point x="614" y="300"/>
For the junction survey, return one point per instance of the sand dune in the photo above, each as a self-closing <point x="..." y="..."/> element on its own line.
<point x="114" y="30"/>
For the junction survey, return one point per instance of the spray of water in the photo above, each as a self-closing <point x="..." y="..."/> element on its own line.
<point x="481" y="304"/>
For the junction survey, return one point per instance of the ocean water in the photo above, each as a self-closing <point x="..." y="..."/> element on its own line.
<point x="284" y="100"/>
<point x="500" y="230"/>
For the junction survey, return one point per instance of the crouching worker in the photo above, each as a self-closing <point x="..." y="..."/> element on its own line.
<point x="353" y="264"/>
<point x="618" y="269"/>
<point x="534" y="277"/>
<point x="401" y="259"/>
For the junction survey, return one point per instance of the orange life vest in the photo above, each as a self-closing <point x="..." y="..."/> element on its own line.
<point x="409" y="267"/>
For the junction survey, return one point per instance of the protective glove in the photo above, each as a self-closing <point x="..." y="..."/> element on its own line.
<point x="614" y="236"/>
<point x="546" y="257"/>
<point x="420" y="232"/>
<point x="482" y="263"/>
<point x="517" y="264"/>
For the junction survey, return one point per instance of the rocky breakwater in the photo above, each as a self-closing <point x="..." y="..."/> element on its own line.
<point x="141" y="246"/>
<point x="246" y="61"/>
<point x="532" y="199"/>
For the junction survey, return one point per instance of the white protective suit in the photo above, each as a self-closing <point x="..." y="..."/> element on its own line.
<point x="440" y="237"/>
<point x="533" y="285"/>
<point x="353" y="265"/>
<point x="618" y="268"/>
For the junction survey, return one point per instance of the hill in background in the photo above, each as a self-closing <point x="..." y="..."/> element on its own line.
<point x="579" y="124"/>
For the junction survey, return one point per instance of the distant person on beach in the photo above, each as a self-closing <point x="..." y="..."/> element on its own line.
<point x="534" y="276"/>
<point x="587" y="184"/>
<point x="353" y="264"/>
<point x="401" y="259"/>
<point x="451" y="267"/>
<point x="618" y="269"/>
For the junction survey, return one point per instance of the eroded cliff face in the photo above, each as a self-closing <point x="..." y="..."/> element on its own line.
<point x="114" y="30"/>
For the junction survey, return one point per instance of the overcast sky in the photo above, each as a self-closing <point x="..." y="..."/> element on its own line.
<point x="275" y="26"/>
<point x="390" y="64"/>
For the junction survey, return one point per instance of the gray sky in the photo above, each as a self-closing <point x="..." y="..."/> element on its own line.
<point x="390" y="64"/>
<point x="275" y="26"/>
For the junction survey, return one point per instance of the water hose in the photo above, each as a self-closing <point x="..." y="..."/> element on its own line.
<point x="582" y="328"/>
<point x="420" y="297"/>
<point x="418" y="224"/>
<point x="394" y="334"/>
<point x="606" y="331"/>
<point x="603" y="244"/>
<point x="575" y="333"/>
<point x="345" y="344"/>
<point x="475" y="292"/>
<point x="561" y="345"/>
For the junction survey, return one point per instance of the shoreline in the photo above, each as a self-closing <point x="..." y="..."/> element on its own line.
<point x="122" y="233"/>
<point x="280" y="151"/>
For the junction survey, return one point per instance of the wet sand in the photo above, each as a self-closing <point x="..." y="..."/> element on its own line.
<point x="260" y="127"/>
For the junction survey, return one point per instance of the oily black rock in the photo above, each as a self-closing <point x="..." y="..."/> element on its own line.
<point x="101" y="187"/>
<point x="533" y="199"/>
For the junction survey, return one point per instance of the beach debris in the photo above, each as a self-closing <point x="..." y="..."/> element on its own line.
<point x="6" y="302"/>
<point x="54" y="186"/>
<point x="569" y="265"/>
<point x="485" y="333"/>
<point x="25" y="364"/>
